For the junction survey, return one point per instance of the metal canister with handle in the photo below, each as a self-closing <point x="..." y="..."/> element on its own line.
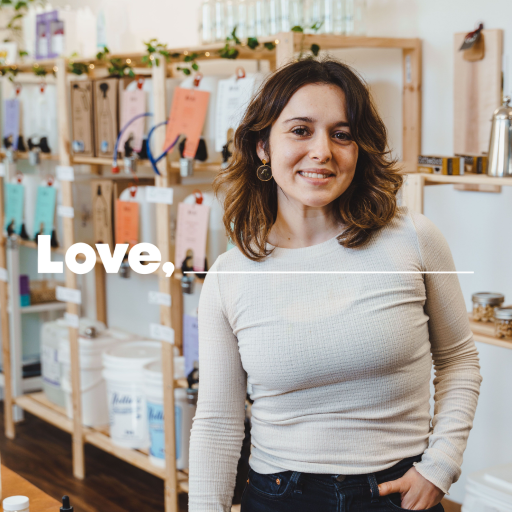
<point x="500" y="148"/>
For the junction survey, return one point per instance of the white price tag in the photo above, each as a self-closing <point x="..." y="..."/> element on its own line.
<point x="65" y="173"/>
<point x="65" y="211"/>
<point x="68" y="295"/>
<point x="159" y="195"/>
<point x="2" y="170"/>
<point x="72" y="320"/>
<point x="159" y="299"/>
<point x="3" y="275"/>
<point x="161" y="333"/>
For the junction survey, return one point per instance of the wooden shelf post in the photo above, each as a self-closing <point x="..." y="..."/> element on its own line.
<point x="165" y="286"/>
<point x="6" y="337"/>
<point x="70" y="279"/>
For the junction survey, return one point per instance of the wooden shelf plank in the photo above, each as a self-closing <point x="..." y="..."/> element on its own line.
<point x="325" y="41"/>
<point x="484" y="332"/>
<point x="87" y="160"/>
<point x="476" y="179"/>
<point x="40" y="308"/>
<point x="134" y="457"/>
<point x="38" y="405"/>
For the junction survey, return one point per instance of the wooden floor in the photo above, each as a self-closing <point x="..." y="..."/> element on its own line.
<point x="41" y="453"/>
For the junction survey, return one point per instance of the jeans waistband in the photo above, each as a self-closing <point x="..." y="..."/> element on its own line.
<point x="381" y="476"/>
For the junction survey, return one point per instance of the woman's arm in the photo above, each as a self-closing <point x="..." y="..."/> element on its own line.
<point x="456" y="363"/>
<point x="218" y="428"/>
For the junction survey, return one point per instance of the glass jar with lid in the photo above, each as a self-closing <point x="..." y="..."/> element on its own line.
<point x="503" y="322"/>
<point x="484" y="304"/>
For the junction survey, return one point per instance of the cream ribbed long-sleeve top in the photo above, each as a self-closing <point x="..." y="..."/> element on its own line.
<point x="339" y="364"/>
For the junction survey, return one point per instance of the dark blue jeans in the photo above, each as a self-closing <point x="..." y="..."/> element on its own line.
<point x="292" y="491"/>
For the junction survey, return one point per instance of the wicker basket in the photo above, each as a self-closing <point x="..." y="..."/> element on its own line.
<point x="43" y="291"/>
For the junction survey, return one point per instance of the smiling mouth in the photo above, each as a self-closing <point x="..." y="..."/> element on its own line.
<point x="316" y="174"/>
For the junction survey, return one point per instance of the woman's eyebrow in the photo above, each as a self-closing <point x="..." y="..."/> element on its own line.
<point x="311" y="120"/>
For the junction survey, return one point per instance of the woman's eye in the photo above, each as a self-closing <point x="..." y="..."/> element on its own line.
<point x="301" y="131"/>
<point x="343" y="136"/>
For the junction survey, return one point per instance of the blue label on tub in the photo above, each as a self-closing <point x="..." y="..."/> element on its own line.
<point x="156" y="430"/>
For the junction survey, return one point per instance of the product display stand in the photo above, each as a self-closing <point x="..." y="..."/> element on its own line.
<point x="287" y="45"/>
<point x="413" y="197"/>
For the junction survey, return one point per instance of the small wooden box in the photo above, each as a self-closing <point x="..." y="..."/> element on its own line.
<point x="449" y="165"/>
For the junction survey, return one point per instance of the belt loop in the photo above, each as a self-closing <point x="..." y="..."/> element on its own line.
<point x="296" y="479"/>
<point x="374" y="488"/>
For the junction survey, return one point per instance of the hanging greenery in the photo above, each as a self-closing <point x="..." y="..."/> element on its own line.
<point x="14" y="25"/>
<point x="230" y="52"/>
<point x="153" y="49"/>
<point x="314" y="48"/>
<point x="118" y="67"/>
<point x="9" y="72"/>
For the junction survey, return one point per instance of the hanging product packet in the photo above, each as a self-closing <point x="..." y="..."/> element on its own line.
<point x="191" y="233"/>
<point x="188" y="113"/>
<point x="233" y="97"/>
<point x="14" y="193"/>
<point x="133" y="103"/>
<point x="45" y="210"/>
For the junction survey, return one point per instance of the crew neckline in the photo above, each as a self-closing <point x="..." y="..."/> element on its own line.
<point x="312" y="250"/>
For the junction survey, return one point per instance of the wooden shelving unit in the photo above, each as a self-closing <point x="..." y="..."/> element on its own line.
<point x="287" y="45"/>
<point x="413" y="197"/>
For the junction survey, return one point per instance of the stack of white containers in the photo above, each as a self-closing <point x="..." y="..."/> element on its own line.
<point x="92" y="343"/>
<point x="51" y="335"/>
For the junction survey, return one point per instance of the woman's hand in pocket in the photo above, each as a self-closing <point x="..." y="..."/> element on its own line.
<point x="417" y="492"/>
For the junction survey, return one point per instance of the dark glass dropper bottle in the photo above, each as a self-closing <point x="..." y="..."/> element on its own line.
<point x="66" y="507"/>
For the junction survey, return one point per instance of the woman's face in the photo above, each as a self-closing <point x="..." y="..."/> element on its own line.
<point x="312" y="154"/>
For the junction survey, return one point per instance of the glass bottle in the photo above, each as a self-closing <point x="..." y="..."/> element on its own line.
<point x="261" y="25"/>
<point x="274" y="16"/>
<point x="360" y="18"/>
<point x="313" y="15"/>
<point x="241" y="18"/>
<point x="230" y="14"/>
<point x="355" y="17"/>
<point x="339" y="17"/>
<point x="251" y="18"/>
<point x="219" y="32"/>
<point x="205" y="22"/>
<point x="328" y="17"/>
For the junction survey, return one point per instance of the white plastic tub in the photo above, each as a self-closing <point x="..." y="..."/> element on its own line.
<point x="489" y="490"/>
<point x="51" y="369"/>
<point x="184" y="411"/>
<point x="92" y="384"/>
<point x="123" y="372"/>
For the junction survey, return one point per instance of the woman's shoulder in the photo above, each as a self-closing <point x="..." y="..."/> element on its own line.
<point x="417" y="223"/>
<point x="415" y="229"/>
<point x="232" y="259"/>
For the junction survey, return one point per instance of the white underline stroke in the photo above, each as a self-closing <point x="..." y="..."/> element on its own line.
<point x="331" y="272"/>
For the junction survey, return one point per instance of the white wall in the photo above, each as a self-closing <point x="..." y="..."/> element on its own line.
<point x="475" y="224"/>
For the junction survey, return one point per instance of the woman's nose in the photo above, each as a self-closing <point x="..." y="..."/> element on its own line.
<point x="320" y="148"/>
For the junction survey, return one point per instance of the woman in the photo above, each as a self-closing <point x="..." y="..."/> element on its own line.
<point x="339" y="363"/>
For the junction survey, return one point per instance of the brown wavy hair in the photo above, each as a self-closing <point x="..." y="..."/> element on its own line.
<point x="250" y="205"/>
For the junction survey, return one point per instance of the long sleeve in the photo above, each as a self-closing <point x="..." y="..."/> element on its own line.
<point x="455" y="357"/>
<point x="218" y="426"/>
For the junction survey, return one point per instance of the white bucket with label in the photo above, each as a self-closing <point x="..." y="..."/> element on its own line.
<point x="123" y="372"/>
<point x="185" y="401"/>
<point x="92" y="384"/>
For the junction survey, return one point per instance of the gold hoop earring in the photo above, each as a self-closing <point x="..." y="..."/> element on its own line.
<point x="264" y="172"/>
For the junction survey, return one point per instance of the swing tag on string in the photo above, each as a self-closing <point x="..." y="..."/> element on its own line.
<point x="19" y="177"/>
<point x="197" y="79"/>
<point x="50" y="180"/>
<point x="134" y="186"/>
<point x="140" y="82"/>
<point x="240" y="73"/>
<point x="199" y="196"/>
<point x="17" y="89"/>
<point x="42" y="87"/>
